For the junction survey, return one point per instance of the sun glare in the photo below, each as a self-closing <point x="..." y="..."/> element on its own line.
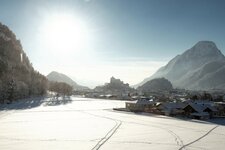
<point x="65" y="33"/>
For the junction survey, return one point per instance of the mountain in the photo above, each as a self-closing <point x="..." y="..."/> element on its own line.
<point x="201" y="67"/>
<point x="59" y="77"/>
<point x="158" y="84"/>
<point x="18" y="79"/>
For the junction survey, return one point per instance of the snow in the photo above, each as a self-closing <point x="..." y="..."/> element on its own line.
<point x="88" y="124"/>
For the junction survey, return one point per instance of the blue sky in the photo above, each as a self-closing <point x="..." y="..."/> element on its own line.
<point x="131" y="39"/>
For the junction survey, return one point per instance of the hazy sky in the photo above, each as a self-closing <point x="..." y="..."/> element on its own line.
<point x="128" y="39"/>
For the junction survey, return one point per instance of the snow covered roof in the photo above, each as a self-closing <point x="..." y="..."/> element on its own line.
<point x="143" y="102"/>
<point x="211" y="107"/>
<point x="221" y="103"/>
<point x="200" y="108"/>
<point x="197" y="107"/>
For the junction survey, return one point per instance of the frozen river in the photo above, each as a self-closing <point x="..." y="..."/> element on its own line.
<point x="91" y="124"/>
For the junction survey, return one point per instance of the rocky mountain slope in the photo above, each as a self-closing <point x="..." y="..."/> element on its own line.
<point x="201" y="67"/>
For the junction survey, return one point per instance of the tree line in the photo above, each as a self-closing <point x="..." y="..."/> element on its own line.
<point x="18" y="79"/>
<point x="60" y="88"/>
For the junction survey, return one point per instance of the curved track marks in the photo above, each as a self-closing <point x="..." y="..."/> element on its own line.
<point x="108" y="134"/>
<point x="186" y="145"/>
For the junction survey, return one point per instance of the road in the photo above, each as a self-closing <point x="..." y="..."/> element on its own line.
<point x="91" y="124"/>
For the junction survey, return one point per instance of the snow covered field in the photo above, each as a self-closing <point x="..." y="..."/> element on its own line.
<point x="89" y="124"/>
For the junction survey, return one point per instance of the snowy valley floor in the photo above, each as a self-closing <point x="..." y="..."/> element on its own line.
<point x="91" y="124"/>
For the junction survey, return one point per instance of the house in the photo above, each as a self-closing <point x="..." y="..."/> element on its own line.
<point x="212" y="110"/>
<point x="199" y="111"/>
<point x="141" y="105"/>
<point x="221" y="108"/>
<point x="171" y="109"/>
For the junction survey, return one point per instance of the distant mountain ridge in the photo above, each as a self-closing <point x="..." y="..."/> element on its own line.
<point x="201" y="67"/>
<point x="59" y="77"/>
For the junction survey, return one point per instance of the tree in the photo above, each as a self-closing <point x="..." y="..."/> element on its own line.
<point x="61" y="88"/>
<point x="18" y="79"/>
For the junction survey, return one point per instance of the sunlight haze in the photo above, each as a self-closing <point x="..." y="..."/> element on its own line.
<point x="112" y="74"/>
<point x="92" y="40"/>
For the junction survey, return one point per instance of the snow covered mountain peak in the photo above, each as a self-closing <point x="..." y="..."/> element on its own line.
<point x="203" y="50"/>
<point x="205" y="45"/>
<point x="202" y="67"/>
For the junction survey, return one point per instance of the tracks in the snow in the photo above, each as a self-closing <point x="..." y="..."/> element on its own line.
<point x="178" y="140"/>
<point x="117" y="123"/>
<point x="109" y="134"/>
<point x="186" y="145"/>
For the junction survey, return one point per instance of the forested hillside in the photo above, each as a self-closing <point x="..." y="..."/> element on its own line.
<point x="157" y="84"/>
<point x="18" y="79"/>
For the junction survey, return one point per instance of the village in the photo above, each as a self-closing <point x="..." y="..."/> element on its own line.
<point x="191" y="108"/>
<point x="162" y="100"/>
<point x="176" y="103"/>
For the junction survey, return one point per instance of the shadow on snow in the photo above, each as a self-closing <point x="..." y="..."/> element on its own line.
<point x="35" y="102"/>
<point x="58" y="101"/>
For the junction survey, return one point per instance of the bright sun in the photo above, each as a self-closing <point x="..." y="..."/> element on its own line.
<point x="63" y="32"/>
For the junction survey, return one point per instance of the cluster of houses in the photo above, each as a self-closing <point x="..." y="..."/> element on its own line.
<point x="175" y="102"/>
<point x="198" y="109"/>
<point x="111" y="96"/>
